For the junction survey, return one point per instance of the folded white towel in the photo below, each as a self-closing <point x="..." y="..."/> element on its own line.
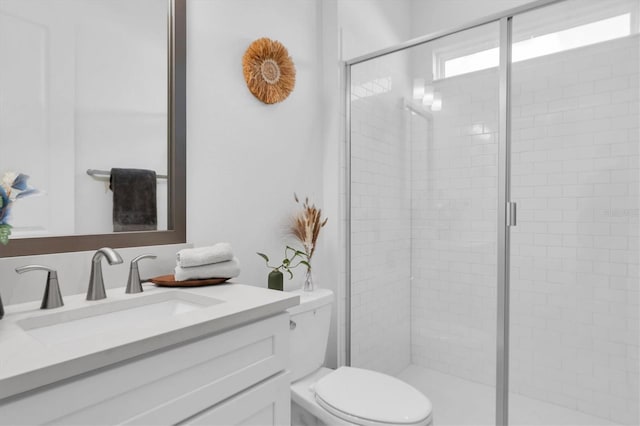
<point x="220" y="252"/>
<point x="228" y="269"/>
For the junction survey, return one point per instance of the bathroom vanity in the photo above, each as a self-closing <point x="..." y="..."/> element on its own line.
<point x="206" y="355"/>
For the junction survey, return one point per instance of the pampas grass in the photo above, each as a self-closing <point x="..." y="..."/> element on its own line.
<point x="306" y="225"/>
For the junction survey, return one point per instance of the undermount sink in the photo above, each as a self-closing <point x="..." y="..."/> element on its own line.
<point x="106" y="316"/>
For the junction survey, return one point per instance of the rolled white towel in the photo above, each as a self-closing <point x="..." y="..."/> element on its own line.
<point x="228" y="269"/>
<point x="220" y="252"/>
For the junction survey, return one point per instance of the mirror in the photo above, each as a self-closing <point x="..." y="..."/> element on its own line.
<point x="87" y="86"/>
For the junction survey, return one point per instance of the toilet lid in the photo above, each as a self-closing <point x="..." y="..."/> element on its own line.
<point x="353" y="393"/>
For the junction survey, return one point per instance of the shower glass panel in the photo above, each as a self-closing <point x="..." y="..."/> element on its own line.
<point x="574" y="252"/>
<point x="380" y="215"/>
<point x="424" y="167"/>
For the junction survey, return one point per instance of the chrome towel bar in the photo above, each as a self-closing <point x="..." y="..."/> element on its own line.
<point x="106" y="173"/>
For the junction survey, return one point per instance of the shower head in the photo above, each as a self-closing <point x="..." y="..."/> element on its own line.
<point x="417" y="109"/>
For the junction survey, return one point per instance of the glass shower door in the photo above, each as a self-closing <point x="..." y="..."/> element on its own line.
<point x="424" y="170"/>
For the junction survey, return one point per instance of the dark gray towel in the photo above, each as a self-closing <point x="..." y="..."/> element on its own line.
<point x="134" y="200"/>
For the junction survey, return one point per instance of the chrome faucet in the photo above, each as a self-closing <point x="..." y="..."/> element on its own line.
<point x="96" y="282"/>
<point x="134" y="283"/>
<point x="52" y="297"/>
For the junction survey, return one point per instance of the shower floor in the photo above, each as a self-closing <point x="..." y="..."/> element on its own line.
<point x="457" y="401"/>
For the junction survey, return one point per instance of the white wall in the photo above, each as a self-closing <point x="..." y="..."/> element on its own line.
<point x="430" y="16"/>
<point x="333" y="247"/>
<point x="245" y="158"/>
<point x="370" y="25"/>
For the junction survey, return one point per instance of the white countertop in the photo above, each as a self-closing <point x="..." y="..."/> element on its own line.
<point x="27" y="363"/>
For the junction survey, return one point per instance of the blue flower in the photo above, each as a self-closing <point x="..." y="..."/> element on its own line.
<point x="4" y="198"/>
<point x="4" y="206"/>
<point x="20" y="182"/>
<point x="13" y="186"/>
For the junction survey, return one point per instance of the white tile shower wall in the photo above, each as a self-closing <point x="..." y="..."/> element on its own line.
<point x="454" y="181"/>
<point x="574" y="304"/>
<point x="380" y="219"/>
<point x="574" y="263"/>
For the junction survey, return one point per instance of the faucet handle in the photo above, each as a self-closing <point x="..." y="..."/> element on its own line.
<point x="143" y="256"/>
<point x="134" y="284"/>
<point x="52" y="297"/>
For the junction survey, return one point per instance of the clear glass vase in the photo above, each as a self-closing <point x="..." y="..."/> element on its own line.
<point x="308" y="281"/>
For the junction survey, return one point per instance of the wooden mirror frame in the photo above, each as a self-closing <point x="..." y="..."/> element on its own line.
<point x="176" y="183"/>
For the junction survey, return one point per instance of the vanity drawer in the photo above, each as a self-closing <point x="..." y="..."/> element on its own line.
<point x="179" y="382"/>
<point x="268" y="403"/>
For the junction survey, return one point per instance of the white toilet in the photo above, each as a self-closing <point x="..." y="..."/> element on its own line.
<point x="348" y="395"/>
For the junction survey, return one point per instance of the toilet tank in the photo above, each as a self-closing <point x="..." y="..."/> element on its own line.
<point x="309" y="331"/>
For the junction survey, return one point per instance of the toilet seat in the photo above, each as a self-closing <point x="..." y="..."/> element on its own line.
<point x="369" y="398"/>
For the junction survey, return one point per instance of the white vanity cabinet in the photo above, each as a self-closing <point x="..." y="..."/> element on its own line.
<point x="237" y="376"/>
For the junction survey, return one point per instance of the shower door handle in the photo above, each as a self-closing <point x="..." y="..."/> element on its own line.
<point x="512" y="214"/>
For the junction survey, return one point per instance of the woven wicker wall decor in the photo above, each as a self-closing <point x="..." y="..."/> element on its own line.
<point x="268" y="70"/>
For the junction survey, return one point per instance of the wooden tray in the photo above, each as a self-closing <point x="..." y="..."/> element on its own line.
<point x="170" y="281"/>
